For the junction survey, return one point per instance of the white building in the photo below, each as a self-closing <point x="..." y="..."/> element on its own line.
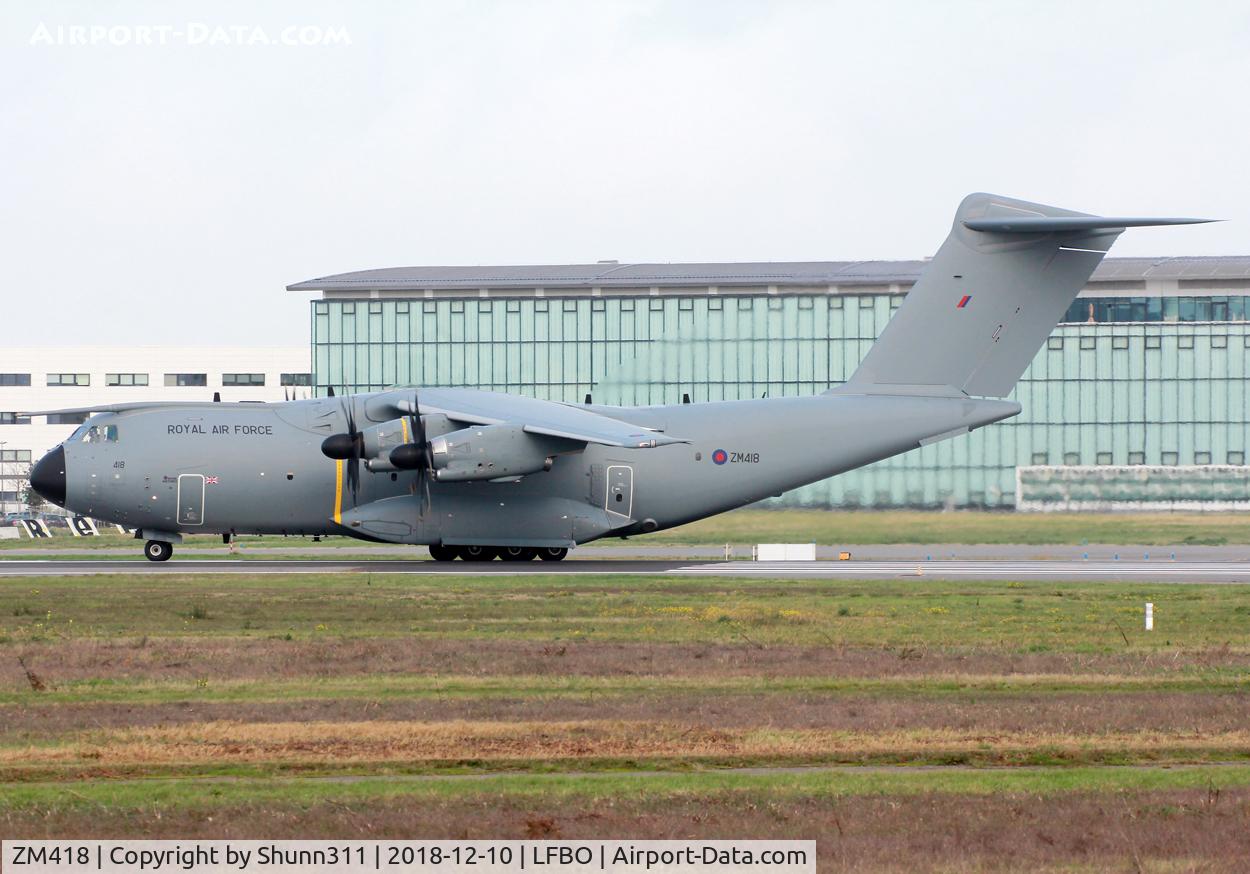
<point x="54" y="377"/>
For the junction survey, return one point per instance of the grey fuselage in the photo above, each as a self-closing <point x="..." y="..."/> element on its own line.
<point x="259" y="468"/>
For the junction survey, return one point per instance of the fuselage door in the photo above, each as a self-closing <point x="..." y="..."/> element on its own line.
<point x="620" y="493"/>
<point x="191" y="499"/>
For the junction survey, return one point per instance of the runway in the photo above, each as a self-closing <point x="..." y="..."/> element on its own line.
<point x="1161" y="571"/>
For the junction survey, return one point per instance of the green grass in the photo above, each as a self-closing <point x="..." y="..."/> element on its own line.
<point x="1032" y="616"/>
<point x="970" y="527"/>
<point x="831" y="784"/>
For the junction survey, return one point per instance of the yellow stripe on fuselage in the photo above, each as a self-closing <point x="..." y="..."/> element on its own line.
<point x="338" y="493"/>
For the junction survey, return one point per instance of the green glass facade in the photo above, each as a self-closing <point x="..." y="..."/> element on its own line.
<point x="1145" y="382"/>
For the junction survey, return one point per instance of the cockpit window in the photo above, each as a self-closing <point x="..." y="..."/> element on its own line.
<point x="100" y="434"/>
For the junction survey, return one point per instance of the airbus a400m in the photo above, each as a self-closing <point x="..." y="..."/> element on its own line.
<point x="475" y="475"/>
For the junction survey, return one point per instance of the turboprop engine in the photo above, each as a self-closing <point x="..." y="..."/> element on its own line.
<point x="488" y="452"/>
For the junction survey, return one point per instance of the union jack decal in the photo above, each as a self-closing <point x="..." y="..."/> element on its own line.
<point x="210" y="480"/>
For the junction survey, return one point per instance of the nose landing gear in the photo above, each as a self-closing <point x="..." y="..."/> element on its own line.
<point x="157" y="550"/>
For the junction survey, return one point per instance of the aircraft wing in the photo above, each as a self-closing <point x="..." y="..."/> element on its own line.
<point x="535" y="416"/>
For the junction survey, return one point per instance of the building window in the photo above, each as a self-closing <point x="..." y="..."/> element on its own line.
<point x="806" y="303"/>
<point x="657" y="304"/>
<point x="431" y="307"/>
<point x="1153" y="341"/>
<point x="457" y="306"/>
<point x="570" y="306"/>
<point x="349" y="309"/>
<point x="744" y="303"/>
<point x="1219" y="342"/>
<point x="1170" y="458"/>
<point x="321" y="308"/>
<point x="627" y="305"/>
<point x="1040" y="458"/>
<point x="69" y="379"/>
<point x="1119" y="342"/>
<point x="715" y="303"/>
<point x="1054" y="343"/>
<point x="8" y="379"/>
<point x="1202" y="458"/>
<point x="514" y="306"/>
<point x="15" y="456"/>
<point x="1137" y="458"/>
<point x="125" y="379"/>
<point x="243" y="379"/>
<point x="1236" y="457"/>
<point x="540" y="305"/>
<point x="67" y="418"/>
<point x="835" y="303"/>
<point x="1089" y="342"/>
<point x="1071" y="458"/>
<point x="774" y="303"/>
<point x="485" y="306"/>
<point x="685" y="303"/>
<point x="186" y="379"/>
<point x="296" y="379"/>
<point x="401" y="307"/>
<point x="375" y="308"/>
<point x="1185" y="341"/>
<point x="1103" y="458"/>
<point x="13" y="419"/>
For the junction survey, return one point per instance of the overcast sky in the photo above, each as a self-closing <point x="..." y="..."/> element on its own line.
<point x="168" y="193"/>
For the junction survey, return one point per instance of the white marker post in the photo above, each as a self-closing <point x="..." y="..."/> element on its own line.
<point x="1150" y="616"/>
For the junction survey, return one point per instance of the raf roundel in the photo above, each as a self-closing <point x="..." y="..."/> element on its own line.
<point x="720" y="456"/>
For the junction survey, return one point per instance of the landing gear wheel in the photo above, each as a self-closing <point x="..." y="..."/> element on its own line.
<point x="157" y="550"/>
<point x="517" y="553"/>
<point x="439" y="552"/>
<point x="476" y="553"/>
<point x="553" y="553"/>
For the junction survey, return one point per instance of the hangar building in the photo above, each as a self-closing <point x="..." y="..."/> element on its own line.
<point x="1137" y="400"/>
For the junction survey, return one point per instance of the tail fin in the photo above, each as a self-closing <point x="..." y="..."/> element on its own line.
<point x="990" y="297"/>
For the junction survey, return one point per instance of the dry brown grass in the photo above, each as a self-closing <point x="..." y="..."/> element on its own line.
<point x="225" y="658"/>
<point x="1173" y="831"/>
<point x="1192" y="712"/>
<point x="347" y="743"/>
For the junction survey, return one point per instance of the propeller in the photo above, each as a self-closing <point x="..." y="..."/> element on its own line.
<point x="347" y="447"/>
<point x="416" y="455"/>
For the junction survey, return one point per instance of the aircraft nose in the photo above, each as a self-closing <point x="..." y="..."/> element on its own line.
<point x="48" y="476"/>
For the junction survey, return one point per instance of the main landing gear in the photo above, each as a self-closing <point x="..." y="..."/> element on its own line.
<point x="439" y="552"/>
<point x="157" y="550"/>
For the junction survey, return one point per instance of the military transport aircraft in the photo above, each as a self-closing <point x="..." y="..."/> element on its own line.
<point x="476" y="474"/>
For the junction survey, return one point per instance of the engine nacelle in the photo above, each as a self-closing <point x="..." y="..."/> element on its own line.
<point x="486" y="452"/>
<point x="379" y="440"/>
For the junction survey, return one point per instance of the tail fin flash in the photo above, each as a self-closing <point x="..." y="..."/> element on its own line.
<point x="990" y="297"/>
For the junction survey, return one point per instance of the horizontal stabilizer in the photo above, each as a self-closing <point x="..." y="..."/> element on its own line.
<point x="1045" y="224"/>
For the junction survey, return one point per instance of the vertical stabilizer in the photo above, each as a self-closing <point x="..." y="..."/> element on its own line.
<point x="990" y="297"/>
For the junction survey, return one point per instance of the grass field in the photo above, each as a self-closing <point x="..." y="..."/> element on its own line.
<point x="915" y="724"/>
<point x="835" y="528"/>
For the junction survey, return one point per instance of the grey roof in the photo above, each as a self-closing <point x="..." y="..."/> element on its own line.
<point x="748" y="273"/>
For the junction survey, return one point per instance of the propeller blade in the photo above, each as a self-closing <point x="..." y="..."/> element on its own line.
<point x="330" y="391"/>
